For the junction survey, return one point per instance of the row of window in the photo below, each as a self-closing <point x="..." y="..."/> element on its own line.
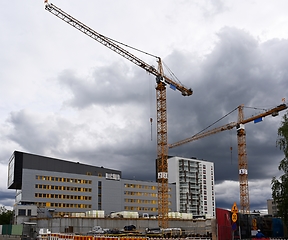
<point x="141" y="201"/>
<point x="63" y="188"/>
<point x="140" y="186"/>
<point x="69" y="205"/>
<point x="184" y="190"/>
<point x="22" y="212"/>
<point x="204" y="167"/>
<point x="150" y="209"/>
<point x="62" y="196"/>
<point x="141" y="194"/>
<point x="62" y="205"/>
<point x="61" y="179"/>
<point x="212" y="182"/>
<point x="204" y="171"/>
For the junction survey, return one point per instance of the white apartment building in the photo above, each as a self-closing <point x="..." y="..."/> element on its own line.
<point x="194" y="180"/>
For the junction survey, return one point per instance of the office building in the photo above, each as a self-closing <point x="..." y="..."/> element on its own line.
<point x="65" y="187"/>
<point x="272" y="208"/>
<point x="194" y="180"/>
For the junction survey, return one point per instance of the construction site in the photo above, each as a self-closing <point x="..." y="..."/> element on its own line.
<point x="222" y="224"/>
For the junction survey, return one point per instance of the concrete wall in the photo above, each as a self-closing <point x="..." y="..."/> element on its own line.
<point x="84" y="225"/>
<point x="9" y="237"/>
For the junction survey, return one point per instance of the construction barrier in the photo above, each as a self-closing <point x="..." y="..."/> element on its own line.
<point x="62" y="236"/>
<point x="66" y="237"/>
<point x="53" y="236"/>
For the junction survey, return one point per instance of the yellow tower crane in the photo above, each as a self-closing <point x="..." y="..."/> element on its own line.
<point x="242" y="155"/>
<point x="162" y="80"/>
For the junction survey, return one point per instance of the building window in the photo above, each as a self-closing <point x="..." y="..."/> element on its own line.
<point x="99" y="195"/>
<point x="21" y="212"/>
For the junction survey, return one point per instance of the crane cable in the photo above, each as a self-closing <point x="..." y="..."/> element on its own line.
<point x="136" y="49"/>
<point x="149" y="54"/>
<point x="224" y="117"/>
<point x="150" y="96"/>
<point x="171" y="73"/>
<point x="150" y="108"/>
<point x="216" y="121"/>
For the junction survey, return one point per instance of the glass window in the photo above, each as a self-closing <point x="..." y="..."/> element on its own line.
<point x="21" y="212"/>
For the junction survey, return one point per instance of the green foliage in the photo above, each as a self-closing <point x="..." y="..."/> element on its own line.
<point x="5" y="216"/>
<point x="282" y="140"/>
<point x="280" y="186"/>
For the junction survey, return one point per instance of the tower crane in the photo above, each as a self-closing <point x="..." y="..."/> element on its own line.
<point x="161" y="80"/>
<point x="241" y="139"/>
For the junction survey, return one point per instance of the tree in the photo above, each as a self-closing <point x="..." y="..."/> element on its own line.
<point x="5" y="216"/>
<point x="280" y="186"/>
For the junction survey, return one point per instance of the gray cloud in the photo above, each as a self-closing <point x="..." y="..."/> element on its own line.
<point x="107" y="86"/>
<point x="238" y="70"/>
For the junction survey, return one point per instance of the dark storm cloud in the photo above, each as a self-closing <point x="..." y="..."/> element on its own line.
<point x="107" y="86"/>
<point x="36" y="134"/>
<point x="7" y="197"/>
<point x="239" y="70"/>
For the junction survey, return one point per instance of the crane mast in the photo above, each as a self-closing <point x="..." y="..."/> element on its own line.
<point x="242" y="155"/>
<point x="242" y="163"/>
<point x="161" y="80"/>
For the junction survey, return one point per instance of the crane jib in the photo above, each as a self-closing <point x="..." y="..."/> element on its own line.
<point x="109" y="43"/>
<point x="172" y="87"/>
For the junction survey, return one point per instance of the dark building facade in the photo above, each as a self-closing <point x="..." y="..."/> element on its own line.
<point x="68" y="187"/>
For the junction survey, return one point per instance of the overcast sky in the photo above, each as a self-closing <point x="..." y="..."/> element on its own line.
<point x="66" y="96"/>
